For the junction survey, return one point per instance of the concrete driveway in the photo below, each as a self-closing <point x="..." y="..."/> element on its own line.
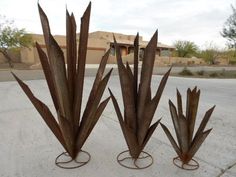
<point x="28" y="148"/>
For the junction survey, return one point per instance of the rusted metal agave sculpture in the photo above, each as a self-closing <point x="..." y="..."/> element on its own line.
<point x="66" y="88"/>
<point x="184" y="125"/>
<point x="139" y="106"/>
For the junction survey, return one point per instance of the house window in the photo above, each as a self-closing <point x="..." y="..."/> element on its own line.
<point x="141" y="53"/>
<point x="112" y="51"/>
<point x="130" y="50"/>
<point x="165" y="53"/>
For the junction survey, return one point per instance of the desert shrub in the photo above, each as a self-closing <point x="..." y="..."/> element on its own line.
<point x="214" y="74"/>
<point x="232" y="62"/>
<point x="201" y="72"/>
<point x="223" y="72"/>
<point x="185" y="72"/>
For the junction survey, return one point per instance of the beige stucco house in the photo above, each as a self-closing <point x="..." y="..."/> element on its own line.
<point x="98" y="43"/>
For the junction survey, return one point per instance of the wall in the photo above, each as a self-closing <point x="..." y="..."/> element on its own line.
<point x="98" y="44"/>
<point x="15" y="55"/>
<point x="164" y="61"/>
<point x="28" y="55"/>
<point x="96" y="49"/>
<point x="109" y="36"/>
<point x="128" y="58"/>
<point x="161" y="61"/>
<point x="2" y="58"/>
<point x="222" y="61"/>
<point x="94" y="56"/>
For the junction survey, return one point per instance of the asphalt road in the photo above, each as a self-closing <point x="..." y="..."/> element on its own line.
<point x="5" y="75"/>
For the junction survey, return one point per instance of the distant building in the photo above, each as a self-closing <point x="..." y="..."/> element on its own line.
<point x="126" y="43"/>
<point x="98" y="43"/>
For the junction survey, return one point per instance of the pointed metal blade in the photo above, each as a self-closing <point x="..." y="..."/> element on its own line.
<point x="146" y="75"/>
<point x="86" y="121"/>
<point x="96" y="82"/>
<point x="57" y="65"/>
<point x="71" y="53"/>
<point x="43" y="111"/>
<point x="191" y="112"/>
<point x="83" y="42"/>
<point x="136" y="59"/>
<point x="197" y="143"/>
<point x="175" y="121"/>
<point x="179" y="103"/>
<point x="48" y="74"/>
<point x="150" y="132"/>
<point x="204" y="122"/>
<point x="127" y="89"/>
<point x="172" y="141"/>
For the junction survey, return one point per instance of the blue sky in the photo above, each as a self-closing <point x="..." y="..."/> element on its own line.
<point x="199" y="21"/>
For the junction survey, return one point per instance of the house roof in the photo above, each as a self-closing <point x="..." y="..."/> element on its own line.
<point x="124" y="39"/>
<point x="159" y="44"/>
<point x="141" y="43"/>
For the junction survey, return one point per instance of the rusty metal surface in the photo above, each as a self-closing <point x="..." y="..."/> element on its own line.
<point x="192" y="165"/>
<point x="66" y="85"/>
<point x="71" y="163"/>
<point x="139" y="106"/>
<point x="187" y="144"/>
<point x="146" y="157"/>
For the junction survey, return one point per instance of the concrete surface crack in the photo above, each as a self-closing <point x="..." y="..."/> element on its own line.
<point x="226" y="169"/>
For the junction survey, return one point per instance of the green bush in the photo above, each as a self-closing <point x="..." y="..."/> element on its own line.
<point x="214" y="74"/>
<point x="185" y="72"/>
<point x="201" y="73"/>
<point x="232" y="62"/>
<point x="223" y="72"/>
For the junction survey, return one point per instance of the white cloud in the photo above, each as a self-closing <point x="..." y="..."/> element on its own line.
<point x="196" y="20"/>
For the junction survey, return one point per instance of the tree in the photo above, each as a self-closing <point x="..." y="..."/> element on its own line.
<point x="211" y="53"/>
<point x="12" y="38"/>
<point x="185" y="48"/>
<point x="229" y="29"/>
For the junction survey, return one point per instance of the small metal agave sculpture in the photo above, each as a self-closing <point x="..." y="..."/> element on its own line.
<point x="66" y="88"/>
<point x="184" y="125"/>
<point x="139" y="106"/>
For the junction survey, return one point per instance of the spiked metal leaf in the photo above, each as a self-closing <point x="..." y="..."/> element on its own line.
<point x="66" y="85"/>
<point x="184" y="126"/>
<point x="139" y="106"/>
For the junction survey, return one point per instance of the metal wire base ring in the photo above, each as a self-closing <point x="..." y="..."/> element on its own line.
<point x="192" y="165"/>
<point x="133" y="163"/>
<point x="65" y="161"/>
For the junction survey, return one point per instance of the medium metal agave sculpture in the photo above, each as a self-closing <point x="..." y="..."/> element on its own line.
<point x="184" y="125"/>
<point x="139" y="106"/>
<point x="66" y="88"/>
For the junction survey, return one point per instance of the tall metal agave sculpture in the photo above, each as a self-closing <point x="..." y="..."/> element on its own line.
<point x="66" y="88"/>
<point x="184" y="125"/>
<point x="139" y="106"/>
